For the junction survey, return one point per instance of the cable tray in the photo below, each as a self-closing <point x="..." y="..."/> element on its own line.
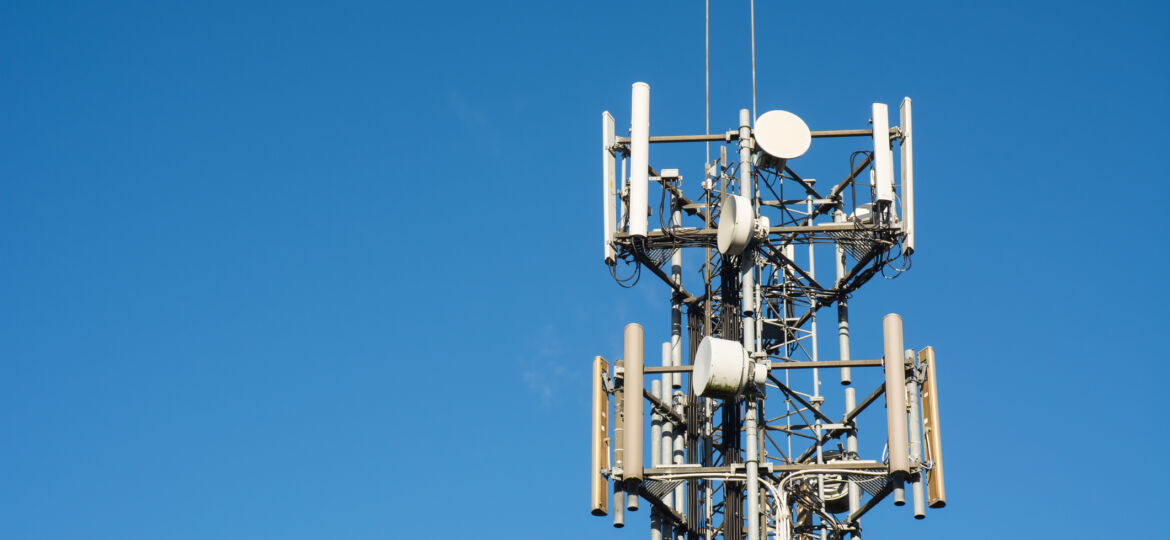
<point x="660" y="256"/>
<point x="659" y="488"/>
<point x="857" y="244"/>
<point x="871" y="484"/>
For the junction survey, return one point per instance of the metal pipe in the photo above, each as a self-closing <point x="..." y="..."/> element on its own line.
<point x="917" y="497"/>
<point x="734" y="136"/>
<point x="639" y="157"/>
<point x="747" y="259"/>
<point x="675" y="300"/>
<point x="747" y="296"/>
<point x="842" y="308"/>
<point x="655" y="426"/>
<point x="708" y="487"/>
<point x="816" y="373"/>
<point x="843" y="351"/>
<point x="751" y="462"/>
<point x="826" y="364"/>
<point x="851" y="447"/>
<point x="666" y="442"/>
<point x="679" y="446"/>
<point x="619" y="505"/>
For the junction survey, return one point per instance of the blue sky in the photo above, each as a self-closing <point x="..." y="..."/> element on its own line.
<point x="281" y="270"/>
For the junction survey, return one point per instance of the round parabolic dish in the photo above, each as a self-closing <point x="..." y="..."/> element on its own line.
<point x="721" y="368"/>
<point x="735" y="225"/>
<point x="782" y="134"/>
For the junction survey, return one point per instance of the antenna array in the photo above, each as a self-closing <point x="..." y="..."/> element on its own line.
<point x="737" y="448"/>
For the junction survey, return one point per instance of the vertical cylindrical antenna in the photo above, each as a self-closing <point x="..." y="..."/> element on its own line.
<point x="935" y="489"/>
<point x="917" y="497"/>
<point x="599" y="450"/>
<point x="895" y="367"/>
<point x="632" y="467"/>
<point x="619" y="442"/>
<point x="639" y="158"/>
<point x="608" y="139"/>
<point x="883" y="157"/>
<point x="907" y="167"/>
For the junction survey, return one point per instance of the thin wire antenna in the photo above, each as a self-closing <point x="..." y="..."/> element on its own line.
<point x="753" y="33"/>
<point x="707" y="75"/>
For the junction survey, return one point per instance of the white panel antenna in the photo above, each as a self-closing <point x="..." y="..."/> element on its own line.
<point x="883" y="158"/>
<point x="639" y="158"/>
<point x="907" y="167"/>
<point x="608" y="139"/>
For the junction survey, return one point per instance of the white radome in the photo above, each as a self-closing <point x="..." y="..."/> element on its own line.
<point x="736" y="224"/>
<point x="782" y="134"/>
<point x="722" y="368"/>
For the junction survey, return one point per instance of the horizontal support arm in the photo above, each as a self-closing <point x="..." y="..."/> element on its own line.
<point x="734" y="136"/>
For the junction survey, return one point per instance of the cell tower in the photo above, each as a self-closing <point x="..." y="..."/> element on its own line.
<point x="741" y="443"/>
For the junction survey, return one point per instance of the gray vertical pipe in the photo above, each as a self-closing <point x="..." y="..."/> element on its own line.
<point x="708" y="488"/>
<point x="917" y="496"/>
<point x="675" y="300"/>
<point x="676" y="349"/>
<point x="747" y="297"/>
<point x="666" y="444"/>
<point x="843" y="351"/>
<point x="895" y="367"/>
<point x="656" y="422"/>
<point x="655" y="426"/>
<point x="842" y="307"/>
<point x="747" y="263"/>
<point x="679" y="457"/>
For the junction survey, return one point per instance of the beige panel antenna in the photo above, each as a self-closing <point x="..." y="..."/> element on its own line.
<point x="599" y="450"/>
<point x="936" y="493"/>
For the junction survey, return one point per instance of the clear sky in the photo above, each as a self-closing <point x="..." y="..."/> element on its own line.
<point x="281" y="270"/>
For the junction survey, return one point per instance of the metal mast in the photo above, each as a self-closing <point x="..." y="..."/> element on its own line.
<point x="742" y="443"/>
